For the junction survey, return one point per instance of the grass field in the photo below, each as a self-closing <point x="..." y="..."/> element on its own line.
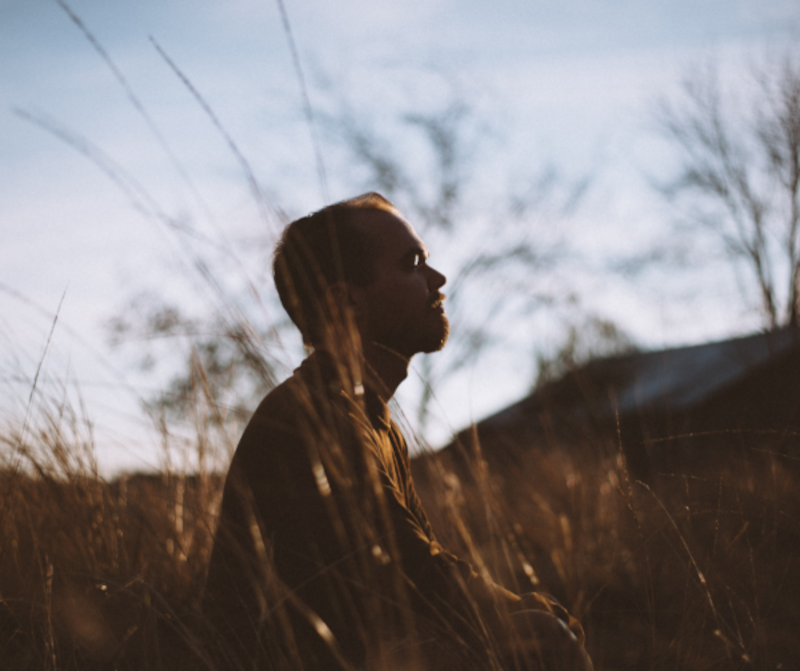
<point x="697" y="569"/>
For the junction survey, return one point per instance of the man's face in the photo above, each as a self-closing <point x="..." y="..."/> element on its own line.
<point x="402" y="308"/>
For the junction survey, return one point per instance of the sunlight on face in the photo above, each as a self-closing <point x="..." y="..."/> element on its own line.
<point x="404" y="306"/>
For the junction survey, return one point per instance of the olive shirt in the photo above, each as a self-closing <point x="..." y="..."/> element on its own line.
<point x="320" y="495"/>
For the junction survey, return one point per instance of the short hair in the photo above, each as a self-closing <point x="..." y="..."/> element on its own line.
<point x="319" y="250"/>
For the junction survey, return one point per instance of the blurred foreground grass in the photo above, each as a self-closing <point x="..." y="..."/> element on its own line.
<point x="698" y="569"/>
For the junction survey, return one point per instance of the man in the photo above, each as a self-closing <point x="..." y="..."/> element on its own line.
<point x="324" y="557"/>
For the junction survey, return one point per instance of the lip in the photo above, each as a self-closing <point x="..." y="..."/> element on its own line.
<point x="437" y="304"/>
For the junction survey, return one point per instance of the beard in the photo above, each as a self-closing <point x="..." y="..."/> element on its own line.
<point x="424" y="335"/>
<point x="409" y="332"/>
<point x="439" y="338"/>
<point x="441" y="330"/>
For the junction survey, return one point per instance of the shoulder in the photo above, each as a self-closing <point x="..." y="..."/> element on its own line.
<point x="300" y="409"/>
<point x="277" y="412"/>
<point x="272" y="449"/>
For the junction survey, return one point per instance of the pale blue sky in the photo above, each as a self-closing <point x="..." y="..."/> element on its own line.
<point x="569" y="81"/>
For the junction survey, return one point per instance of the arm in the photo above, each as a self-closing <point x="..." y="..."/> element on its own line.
<point x="432" y="569"/>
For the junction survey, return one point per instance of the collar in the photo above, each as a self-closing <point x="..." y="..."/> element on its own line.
<point x="322" y="370"/>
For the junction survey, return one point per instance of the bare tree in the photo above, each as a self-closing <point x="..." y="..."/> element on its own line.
<point x="213" y="365"/>
<point x="224" y="361"/>
<point x="499" y="252"/>
<point x="501" y="249"/>
<point x="224" y="358"/>
<point x="739" y="175"/>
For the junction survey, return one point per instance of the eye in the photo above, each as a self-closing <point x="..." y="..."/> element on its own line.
<point x="414" y="259"/>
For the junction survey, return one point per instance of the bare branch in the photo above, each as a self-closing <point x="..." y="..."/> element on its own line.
<point x="740" y="175"/>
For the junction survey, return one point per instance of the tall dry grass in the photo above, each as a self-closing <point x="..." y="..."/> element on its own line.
<point x="96" y="574"/>
<point x="698" y="569"/>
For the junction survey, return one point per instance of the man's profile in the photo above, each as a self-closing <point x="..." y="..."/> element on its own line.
<point x="324" y="557"/>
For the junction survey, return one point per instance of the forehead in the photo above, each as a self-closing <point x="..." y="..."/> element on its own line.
<point x="388" y="233"/>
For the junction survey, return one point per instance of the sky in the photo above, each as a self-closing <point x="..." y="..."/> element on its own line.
<point x="88" y="223"/>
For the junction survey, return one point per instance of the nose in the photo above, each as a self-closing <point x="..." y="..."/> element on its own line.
<point x="435" y="279"/>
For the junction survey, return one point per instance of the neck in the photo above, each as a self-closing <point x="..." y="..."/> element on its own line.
<point x="380" y="368"/>
<point x="385" y="369"/>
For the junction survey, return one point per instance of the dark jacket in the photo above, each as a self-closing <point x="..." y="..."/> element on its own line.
<point x="323" y="548"/>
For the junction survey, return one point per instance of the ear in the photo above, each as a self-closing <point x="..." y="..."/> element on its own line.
<point x="347" y="298"/>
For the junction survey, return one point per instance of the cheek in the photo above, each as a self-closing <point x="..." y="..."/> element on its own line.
<point x="410" y="295"/>
<point x="398" y="300"/>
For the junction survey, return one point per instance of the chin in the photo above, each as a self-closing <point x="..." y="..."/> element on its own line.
<point x="432" y="339"/>
<point x="436" y="344"/>
<point x="438" y="347"/>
